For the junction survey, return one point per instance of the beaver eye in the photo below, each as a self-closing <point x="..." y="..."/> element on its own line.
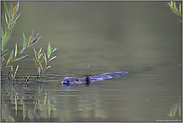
<point x="77" y="80"/>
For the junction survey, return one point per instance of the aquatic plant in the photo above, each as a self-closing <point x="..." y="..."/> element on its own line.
<point x="9" y="20"/>
<point x="46" y="58"/>
<point x="14" y="73"/>
<point x="173" y="7"/>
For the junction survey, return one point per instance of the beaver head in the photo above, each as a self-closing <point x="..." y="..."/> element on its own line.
<point x="74" y="81"/>
<point x="88" y="81"/>
<point x="69" y="80"/>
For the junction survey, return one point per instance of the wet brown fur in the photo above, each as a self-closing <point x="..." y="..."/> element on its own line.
<point x="73" y="80"/>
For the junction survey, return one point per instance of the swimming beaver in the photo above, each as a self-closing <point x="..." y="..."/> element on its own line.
<point x="70" y="82"/>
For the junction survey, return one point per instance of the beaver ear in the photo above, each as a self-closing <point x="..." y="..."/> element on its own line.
<point x="88" y="81"/>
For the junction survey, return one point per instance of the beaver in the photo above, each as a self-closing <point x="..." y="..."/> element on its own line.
<point x="70" y="82"/>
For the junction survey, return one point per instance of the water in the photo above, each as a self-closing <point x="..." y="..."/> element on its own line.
<point x="143" y="38"/>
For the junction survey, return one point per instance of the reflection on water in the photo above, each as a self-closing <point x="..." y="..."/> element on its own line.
<point x="143" y="38"/>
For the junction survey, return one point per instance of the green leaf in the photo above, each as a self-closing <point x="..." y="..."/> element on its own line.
<point x="35" y="53"/>
<point x="40" y="50"/>
<point x="48" y="67"/>
<point x="41" y="65"/>
<point x="9" y="16"/>
<point x="11" y="8"/>
<point x="5" y="42"/>
<point x="29" y="115"/>
<point x="54" y="50"/>
<point x="6" y="8"/>
<point x="7" y="20"/>
<point x="2" y="31"/>
<point x="16" y="18"/>
<point x="11" y="55"/>
<point x="10" y="30"/>
<point x="9" y="60"/>
<point x="2" y="64"/>
<point x="11" y="119"/>
<point x="21" y="57"/>
<point x="16" y="9"/>
<point x="35" y="63"/>
<point x="34" y="42"/>
<point x="49" y="50"/>
<point x="39" y="70"/>
<point x="24" y="41"/>
<point x="2" y="59"/>
<point x="30" y="39"/>
<point x="4" y="24"/>
<point x="24" y="111"/>
<point x="170" y="5"/>
<point x="4" y="53"/>
<point x="52" y="58"/>
<point x="180" y="8"/>
<point x="39" y="56"/>
<point x="174" y="4"/>
<point x="176" y="12"/>
<point x="45" y="59"/>
<point x="15" y="49"/>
